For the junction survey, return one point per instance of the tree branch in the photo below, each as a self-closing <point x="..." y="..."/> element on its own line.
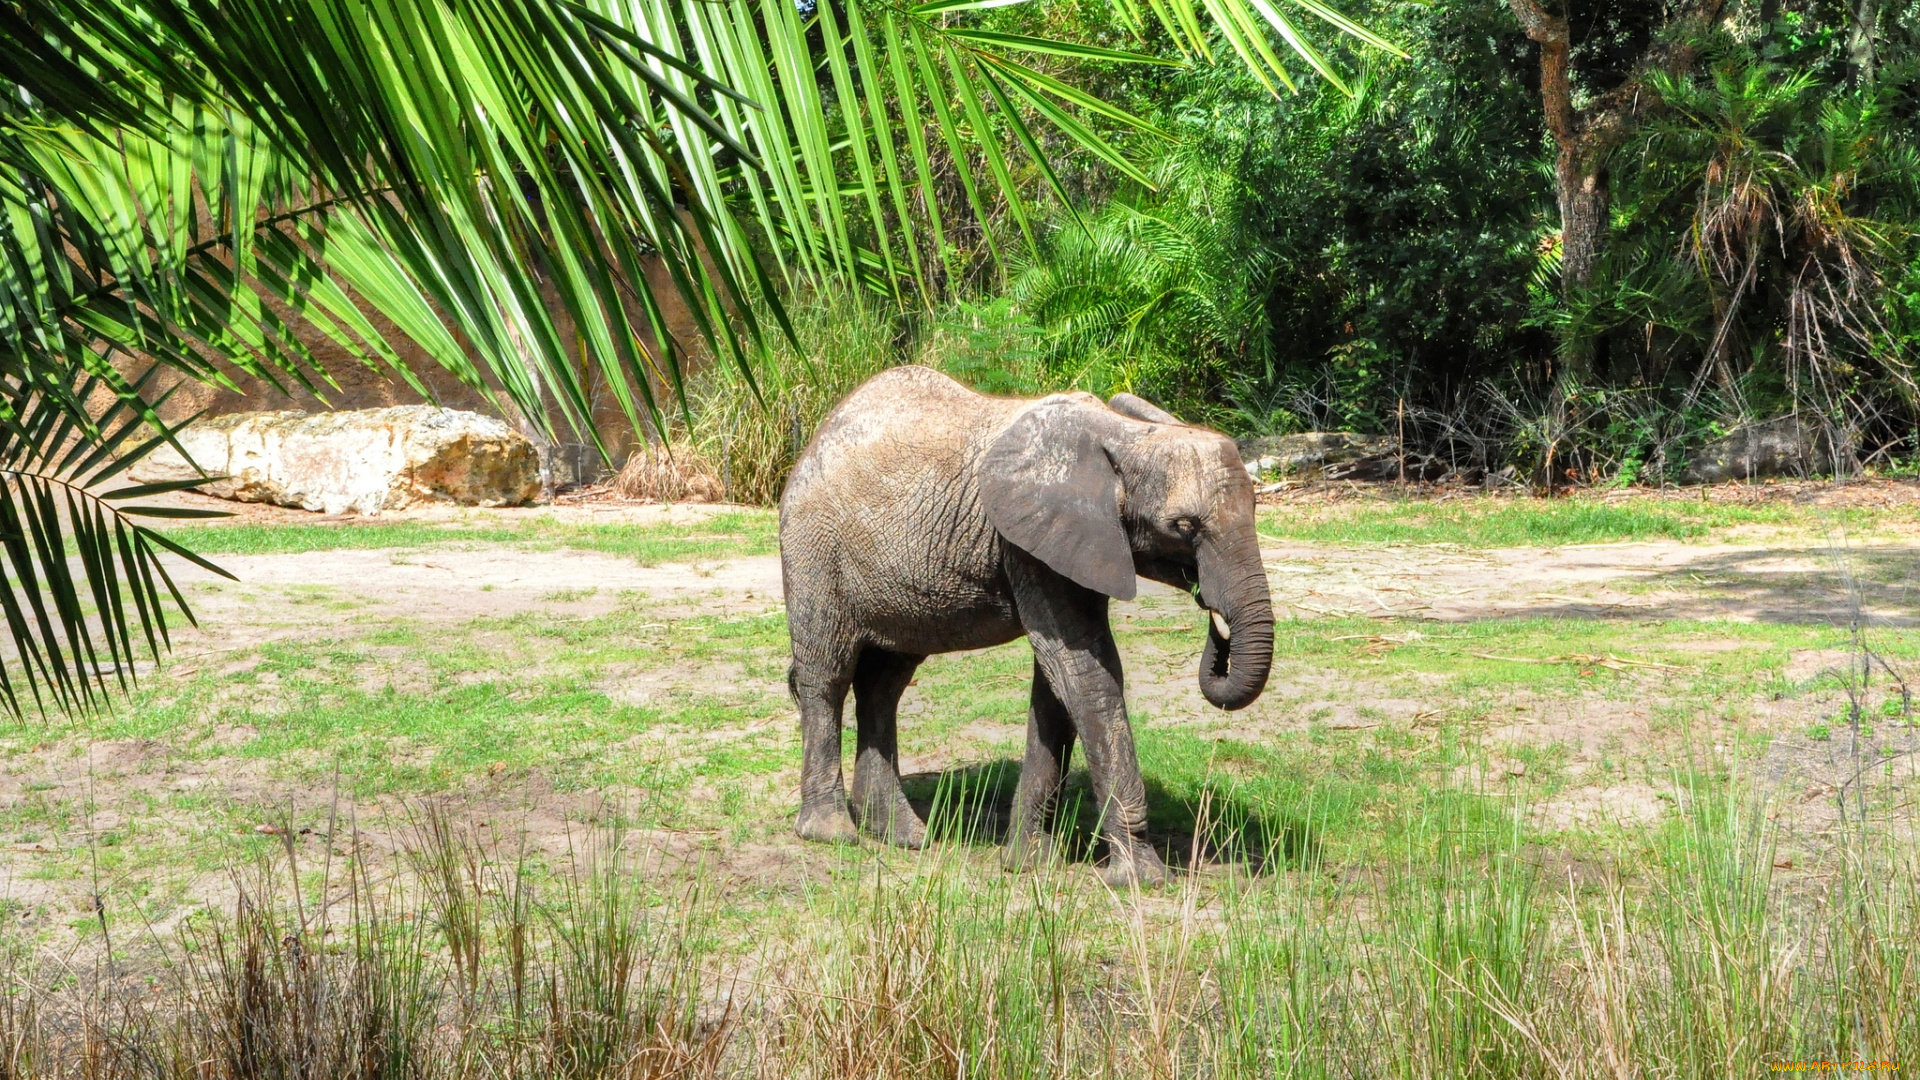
<point x="1556" y="91"/>
<point x="1610" y="119"/>
<point x="1539" y="24"/>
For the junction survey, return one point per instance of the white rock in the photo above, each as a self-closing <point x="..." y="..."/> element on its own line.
<point x="367" y="460"/>
<point x="1785" y="446"/>
<point x="1308" y="453"/>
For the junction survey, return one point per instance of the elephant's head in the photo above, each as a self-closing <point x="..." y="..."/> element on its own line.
<point x="1101" y="493"/>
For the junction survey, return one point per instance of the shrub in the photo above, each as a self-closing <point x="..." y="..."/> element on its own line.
<point x="750" y="440"/>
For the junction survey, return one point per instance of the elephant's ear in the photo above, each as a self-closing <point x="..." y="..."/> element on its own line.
<point x="1050" y="489"/>
<point x="1141" y="409"/>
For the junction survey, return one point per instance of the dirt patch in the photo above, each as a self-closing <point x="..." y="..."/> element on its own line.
<point x="104" y="793"/>
<point x="1808" y="665"/>
<point x="1652" y="580"/>
<point x="452" y="583"/>
<point x="1817" y="784"/>
<point x="1631" y="804"/>
<point x="1667" y="579"/>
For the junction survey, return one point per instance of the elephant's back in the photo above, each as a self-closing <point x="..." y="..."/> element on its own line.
<point x="895" y="430"/>
<point x="881" y="517"/>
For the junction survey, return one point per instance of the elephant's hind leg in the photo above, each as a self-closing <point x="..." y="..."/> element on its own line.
<point x="878" y="803"/>
<point x="821" y="694"/>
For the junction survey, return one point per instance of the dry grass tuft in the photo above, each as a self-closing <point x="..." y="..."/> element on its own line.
<point x="1462" y="959"/>
<point x="654" y="475"/>
<point x="466" y="962"/>
<point x="753" y="439"/>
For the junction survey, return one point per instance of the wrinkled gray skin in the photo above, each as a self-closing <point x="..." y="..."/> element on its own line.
<point x="925" y="518"/>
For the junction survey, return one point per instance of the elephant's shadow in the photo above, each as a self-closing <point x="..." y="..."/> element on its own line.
<point x="974" y="804"/>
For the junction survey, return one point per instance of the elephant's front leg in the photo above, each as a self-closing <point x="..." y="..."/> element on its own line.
<point x="1073" y="644"/>
<point x="1036" y="802"/>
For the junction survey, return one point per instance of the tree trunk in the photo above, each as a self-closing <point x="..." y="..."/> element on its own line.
<point x="1584" y="138"/>
<point x="1860" y="41"/>
<point x="1585" y="203"/>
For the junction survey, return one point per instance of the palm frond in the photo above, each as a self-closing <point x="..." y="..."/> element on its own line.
<point x="72" y="626"/>
<point x="524" y="190"/>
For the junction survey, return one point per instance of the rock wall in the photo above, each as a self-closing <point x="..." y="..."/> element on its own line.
<point x="358" y="382"/>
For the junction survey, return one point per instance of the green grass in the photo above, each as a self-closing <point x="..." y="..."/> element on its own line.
<point x="473" y="705"/>
<point x="731" y="533"/>
<point x="404" y="710"/>
<point x="1474" y="952"/>
<point x="1503" y="522"/>
<point x="1473" y="522"/>
<point x="1385" y="899"/>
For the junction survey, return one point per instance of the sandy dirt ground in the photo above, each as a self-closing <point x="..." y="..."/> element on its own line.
<point x="1647" y="580"/>
<point x="1767" y="581"/>
<point x="1664" y="580"/>
<point x="456" y="584"/>
<point x="1800" y="581"/>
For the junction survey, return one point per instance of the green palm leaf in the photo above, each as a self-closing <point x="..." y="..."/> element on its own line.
<point x="524" y="190"/>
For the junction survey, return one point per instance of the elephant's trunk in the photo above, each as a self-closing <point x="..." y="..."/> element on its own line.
<point x="1233" y="669"/>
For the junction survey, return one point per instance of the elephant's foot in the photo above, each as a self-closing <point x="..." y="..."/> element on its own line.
<point x="826" y="822"/>
<point x="1133" y="865"/>
<point x="890" y="819"/>
<point x="1026" y="849"/>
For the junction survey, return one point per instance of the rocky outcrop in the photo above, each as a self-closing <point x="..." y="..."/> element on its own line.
<point x="1310" y="453"/>
<point x="365" y="461"/>
<point x="1786" y="446"/>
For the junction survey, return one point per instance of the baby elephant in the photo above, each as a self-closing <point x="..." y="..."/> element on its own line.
<point x="926" y="518"/>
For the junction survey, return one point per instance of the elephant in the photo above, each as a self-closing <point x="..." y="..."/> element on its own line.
<point x="926" y="518"/>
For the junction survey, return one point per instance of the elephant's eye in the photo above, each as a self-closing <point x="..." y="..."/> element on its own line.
<point x="1185" y="526"/>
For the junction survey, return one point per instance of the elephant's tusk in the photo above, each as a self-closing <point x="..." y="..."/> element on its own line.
<point x="1220" y="626"/>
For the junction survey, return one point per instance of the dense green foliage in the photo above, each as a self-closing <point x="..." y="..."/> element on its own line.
<point x="1348" y="244"/>
<point x="1330" y="258"/>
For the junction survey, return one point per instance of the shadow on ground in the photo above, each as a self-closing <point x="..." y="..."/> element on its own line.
<point x="973" y="804"/>
<point x="1805" y="585"/>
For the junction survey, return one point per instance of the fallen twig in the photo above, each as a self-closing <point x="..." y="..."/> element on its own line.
<point x="1589" y="601"/>
<point x="1610" y="661"/>
<point x="1378" y="644"/>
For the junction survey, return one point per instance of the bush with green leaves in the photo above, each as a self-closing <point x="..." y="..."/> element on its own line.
<point x="1387" y="253"/>
<point x="1310" y="259"/>
<point x="1153" y="293"/>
